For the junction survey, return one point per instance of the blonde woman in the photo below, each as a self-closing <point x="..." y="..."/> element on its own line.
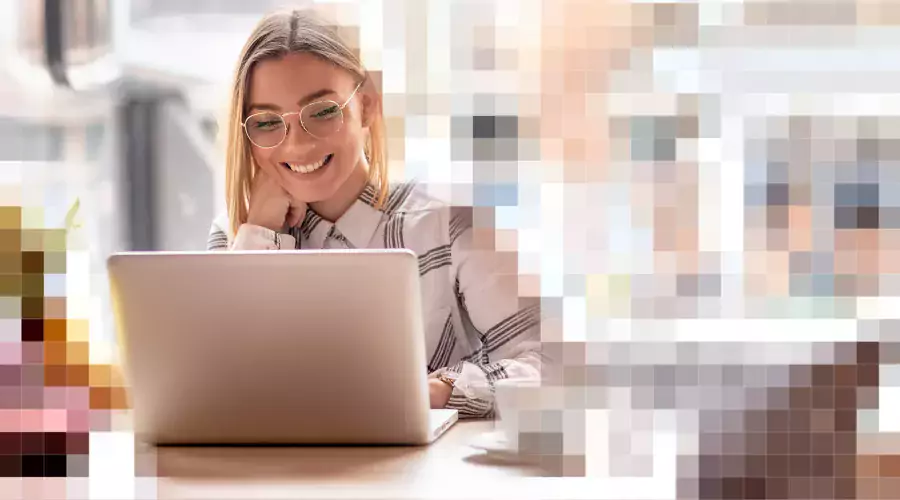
<point x="306" y="168"/>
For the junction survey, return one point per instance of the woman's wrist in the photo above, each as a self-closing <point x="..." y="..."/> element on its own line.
<point x="270" y="225"/>
<point x="252" y="236"/>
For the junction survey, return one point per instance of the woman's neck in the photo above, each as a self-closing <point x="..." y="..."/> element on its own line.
<point x="333" y="208"/>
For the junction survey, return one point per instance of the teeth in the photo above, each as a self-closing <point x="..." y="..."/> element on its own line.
<point x="305" y="169"/>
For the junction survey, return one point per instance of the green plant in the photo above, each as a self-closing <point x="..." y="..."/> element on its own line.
<point x="70" y="215"/>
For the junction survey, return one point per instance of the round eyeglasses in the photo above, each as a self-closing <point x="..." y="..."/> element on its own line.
<point x="319" y="119"/>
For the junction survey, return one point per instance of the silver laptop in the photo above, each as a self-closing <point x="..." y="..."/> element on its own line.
<point x="290" y="347"/>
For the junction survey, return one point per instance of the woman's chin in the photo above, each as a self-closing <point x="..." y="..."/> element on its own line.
<point x="312" y="191"/>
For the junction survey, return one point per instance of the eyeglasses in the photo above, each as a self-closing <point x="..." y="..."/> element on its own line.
<point x="319" y="119"/>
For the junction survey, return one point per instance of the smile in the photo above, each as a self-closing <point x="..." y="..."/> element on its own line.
<point x="307" y="169"/>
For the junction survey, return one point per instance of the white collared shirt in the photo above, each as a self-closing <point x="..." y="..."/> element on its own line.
<point x="476" y="327"/>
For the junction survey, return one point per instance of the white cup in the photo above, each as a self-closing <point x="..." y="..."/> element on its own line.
<point x="518" y="404"/>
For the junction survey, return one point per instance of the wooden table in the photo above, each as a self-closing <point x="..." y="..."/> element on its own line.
<point x="448" y="468"/>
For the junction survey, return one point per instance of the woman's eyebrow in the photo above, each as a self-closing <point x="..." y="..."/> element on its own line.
<point x="271" y="107"/>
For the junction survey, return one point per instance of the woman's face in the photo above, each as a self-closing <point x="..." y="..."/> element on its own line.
<point x="310" y="169"/>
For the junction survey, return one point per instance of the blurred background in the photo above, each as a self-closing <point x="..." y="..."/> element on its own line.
<point x="647" y="160"/>
<point x="655" y="165"/>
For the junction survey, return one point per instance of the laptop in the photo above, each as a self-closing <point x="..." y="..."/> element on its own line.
<point x="290" y="347"/>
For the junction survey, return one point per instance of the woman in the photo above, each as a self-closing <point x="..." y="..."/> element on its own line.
<point x="307" y="168"/>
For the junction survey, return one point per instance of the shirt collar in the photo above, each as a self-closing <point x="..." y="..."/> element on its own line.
<point x="357" y="224"/>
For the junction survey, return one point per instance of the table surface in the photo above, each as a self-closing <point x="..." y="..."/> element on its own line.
<point x="449" y="468"/>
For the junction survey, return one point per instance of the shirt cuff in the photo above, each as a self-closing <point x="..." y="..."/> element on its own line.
<point x="473" y="394"/>
<point x="252" y="237"/>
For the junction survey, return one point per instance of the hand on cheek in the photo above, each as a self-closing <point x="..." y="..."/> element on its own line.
<point x="271" y="206"/>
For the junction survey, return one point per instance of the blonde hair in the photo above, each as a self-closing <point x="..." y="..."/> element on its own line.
<point x="276" y="35"/>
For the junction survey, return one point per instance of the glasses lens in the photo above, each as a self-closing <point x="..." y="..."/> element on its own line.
<point x="322" y="119"/>
<point x="266" y="130"/>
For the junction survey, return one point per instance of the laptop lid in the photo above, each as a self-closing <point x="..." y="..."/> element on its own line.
<point x="318" y="347"/>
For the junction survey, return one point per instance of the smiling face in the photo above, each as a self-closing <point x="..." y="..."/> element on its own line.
<point x="310" y="167"/>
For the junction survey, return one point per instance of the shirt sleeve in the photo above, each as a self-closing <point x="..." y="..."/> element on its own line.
<point x="505" y="328"/>
<point x="248" y="237"/>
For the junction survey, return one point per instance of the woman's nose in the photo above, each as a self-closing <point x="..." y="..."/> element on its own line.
<point x="296" y="136"/>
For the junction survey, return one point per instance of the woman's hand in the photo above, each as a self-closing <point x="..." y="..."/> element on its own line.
<point x="439" y="393"/>
<point x="271" y="206"/>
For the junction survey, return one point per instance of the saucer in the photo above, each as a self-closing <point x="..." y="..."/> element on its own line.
<point x="497" y="446"/>
<point x="493" y="442"/>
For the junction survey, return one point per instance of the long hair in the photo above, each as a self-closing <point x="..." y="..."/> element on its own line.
<point x="276" y="35"/>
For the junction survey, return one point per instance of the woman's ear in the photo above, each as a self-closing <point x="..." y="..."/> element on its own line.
<point x="371" y="100"/>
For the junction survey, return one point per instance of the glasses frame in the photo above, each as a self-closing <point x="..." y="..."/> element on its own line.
<point x="299" y="114"/>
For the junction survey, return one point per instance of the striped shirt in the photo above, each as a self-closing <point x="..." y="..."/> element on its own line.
<point x="476" y="326"/>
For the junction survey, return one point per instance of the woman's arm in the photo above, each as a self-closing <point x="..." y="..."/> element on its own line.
<point x="508" y="329"/>
<point x="249" y="237"/>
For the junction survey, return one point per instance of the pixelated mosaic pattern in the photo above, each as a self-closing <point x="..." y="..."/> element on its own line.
<point x="51" y="396"/>
<point x="612" y="175"/>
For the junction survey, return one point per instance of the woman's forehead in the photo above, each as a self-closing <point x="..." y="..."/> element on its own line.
<point x="289" y="79"/>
